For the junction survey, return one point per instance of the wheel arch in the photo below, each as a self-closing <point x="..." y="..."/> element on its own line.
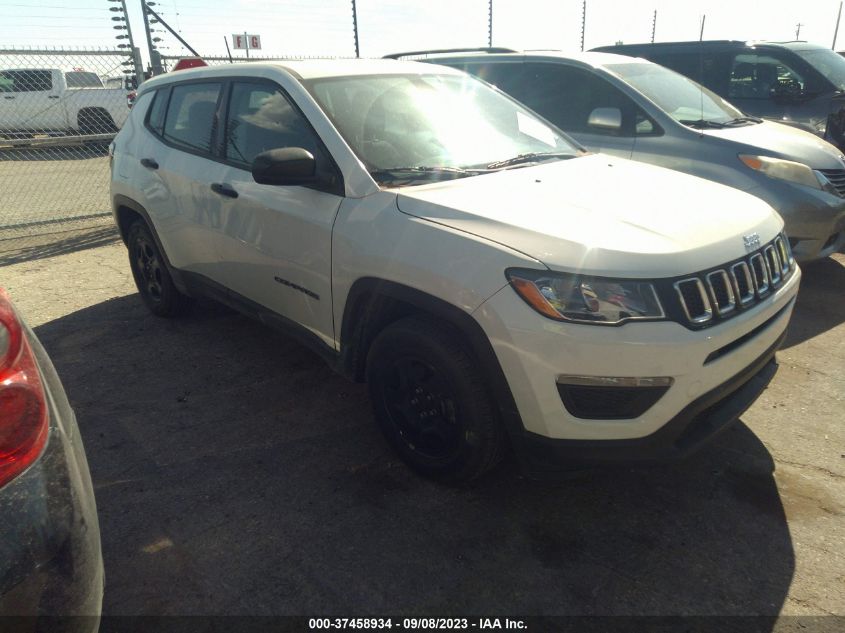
<point x="372" y="304"/>
<point x="126" y="211"/>
<point x="93" y="111"/>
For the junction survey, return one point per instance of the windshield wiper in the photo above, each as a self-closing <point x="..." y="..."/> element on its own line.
<point x="532" y="157"/>
<point x="703" y="123"/>
<point x="743" y="120"/>
<point x="423" y="172"/>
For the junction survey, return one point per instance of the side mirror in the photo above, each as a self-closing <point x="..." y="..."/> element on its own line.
<point x="606" y="119"/>
<point x="285" y="166"/>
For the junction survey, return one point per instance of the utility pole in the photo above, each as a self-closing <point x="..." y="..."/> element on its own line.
<point x="836" y="30"/>
<point x="490" y="24"/>
<point x="653" y="26"/>
<point x="137" y="64"/>
<point x="355" y="27"/>
<point x="798" y="30"/>
<point x="583" y="22"/>
<point x="155" y="58"/>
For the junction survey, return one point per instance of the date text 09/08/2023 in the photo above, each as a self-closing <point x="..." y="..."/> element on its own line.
<point x="417" y="624"/>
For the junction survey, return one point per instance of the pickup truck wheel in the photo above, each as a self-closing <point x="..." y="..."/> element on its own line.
<point x="430" y="402"/>
<point x="152" y="278"/>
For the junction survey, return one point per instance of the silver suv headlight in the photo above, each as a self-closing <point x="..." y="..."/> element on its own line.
<point x="584" y="299"/>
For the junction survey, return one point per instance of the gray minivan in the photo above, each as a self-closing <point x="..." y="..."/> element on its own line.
<point x="797" y="83"/>
<point x="636" y="109"/>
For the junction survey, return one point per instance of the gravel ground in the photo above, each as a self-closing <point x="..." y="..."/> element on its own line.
<point x="236" y="474"/>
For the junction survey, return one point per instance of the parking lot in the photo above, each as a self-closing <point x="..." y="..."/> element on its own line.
<point x="236" y="474"/>
<point x="44" y="185"/>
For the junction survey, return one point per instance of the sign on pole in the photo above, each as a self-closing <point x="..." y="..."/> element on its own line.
<point x="246" y="41"/>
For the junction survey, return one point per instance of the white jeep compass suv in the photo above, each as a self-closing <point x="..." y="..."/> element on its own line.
<point x="494" y="283"/>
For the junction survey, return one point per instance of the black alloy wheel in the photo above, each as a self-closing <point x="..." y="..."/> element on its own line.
<point x="152" y="277"/>
<point x="430" y="401"/>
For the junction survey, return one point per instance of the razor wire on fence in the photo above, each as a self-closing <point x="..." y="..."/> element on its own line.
<point x="59" y="110"/>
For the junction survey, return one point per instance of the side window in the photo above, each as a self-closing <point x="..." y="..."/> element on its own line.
<point x="758" y="76"/>
<point x="26" y="81"/>
<point x="506" y="77"/>
<point x="260" y="118"/>
<point x="191" y="115"/>
<point x="157" y="110"/>
<point x="566" y="96"/>
<point x="707" y="68"/>
<point x="82" y="79"/>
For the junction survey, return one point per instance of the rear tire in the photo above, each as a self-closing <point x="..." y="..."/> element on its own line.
<point x="96" y="122"/>
<point x="153" y="279"/>
<point x="431" y="403"/>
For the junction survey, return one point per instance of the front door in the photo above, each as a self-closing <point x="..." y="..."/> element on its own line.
<point x="276" y="240"/>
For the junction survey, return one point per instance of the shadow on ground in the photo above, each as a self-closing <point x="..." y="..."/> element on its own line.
<point x="23" y="249"/>
<point x="236" y="474"/>
<point x="821" y="303"/>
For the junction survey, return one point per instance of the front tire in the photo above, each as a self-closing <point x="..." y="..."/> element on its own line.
<point x="431" y="403"/>
<point x="155" y="285"/>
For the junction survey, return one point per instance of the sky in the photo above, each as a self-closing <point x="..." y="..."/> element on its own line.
<point x="324" y="27"/>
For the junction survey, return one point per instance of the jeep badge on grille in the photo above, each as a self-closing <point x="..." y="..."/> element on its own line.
<point x="751" y="241"/>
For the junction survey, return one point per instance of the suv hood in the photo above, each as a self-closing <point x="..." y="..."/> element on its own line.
<point x="600" y="215"/>
<point x="782" y="141"/>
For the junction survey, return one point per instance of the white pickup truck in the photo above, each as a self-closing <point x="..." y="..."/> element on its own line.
<point x="54" y="101"/>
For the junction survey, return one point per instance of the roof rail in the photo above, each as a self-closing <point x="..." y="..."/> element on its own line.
<point x="492" y="49"/>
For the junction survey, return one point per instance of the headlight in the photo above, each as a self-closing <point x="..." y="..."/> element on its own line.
<point x="583" y="299"/>
<point x="788" y="170"/>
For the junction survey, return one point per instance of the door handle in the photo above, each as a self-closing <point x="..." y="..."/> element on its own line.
<point x="53" y="97"/>
<point x="8" y="97"/>
<point x="224" y="190"/>
<point x="149" y="163"/>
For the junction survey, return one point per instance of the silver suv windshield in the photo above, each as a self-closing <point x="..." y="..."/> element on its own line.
<point x="828" y="63"/>
<point x="680" y="97"/>
<point x="424" y="127"/>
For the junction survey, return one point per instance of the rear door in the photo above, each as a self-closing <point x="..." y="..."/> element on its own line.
<point x="179" y="158"/>
<point x="276" y="248"/>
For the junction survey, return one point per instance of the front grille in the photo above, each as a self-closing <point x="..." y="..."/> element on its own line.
<point x="710" y="296"/>
<point x="836" y="178"/>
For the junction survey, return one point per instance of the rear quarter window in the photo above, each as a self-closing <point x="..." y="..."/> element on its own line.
<point x="82" y="79"/>
<point x="191" y="115"/>
<point x="709" y="68"/>
<point x="155" y="118"/>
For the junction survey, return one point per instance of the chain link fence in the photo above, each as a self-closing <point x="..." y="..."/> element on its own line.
<point x="59" y="110"/>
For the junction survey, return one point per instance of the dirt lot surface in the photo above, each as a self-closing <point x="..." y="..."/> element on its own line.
<point x="50" y="184"/>
<point x="236" y="474"/>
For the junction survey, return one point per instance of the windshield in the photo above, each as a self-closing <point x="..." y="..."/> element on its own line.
<point x="828" y="63"/>
<point x="679" y="96"/>
<point x="444" y="124"/>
